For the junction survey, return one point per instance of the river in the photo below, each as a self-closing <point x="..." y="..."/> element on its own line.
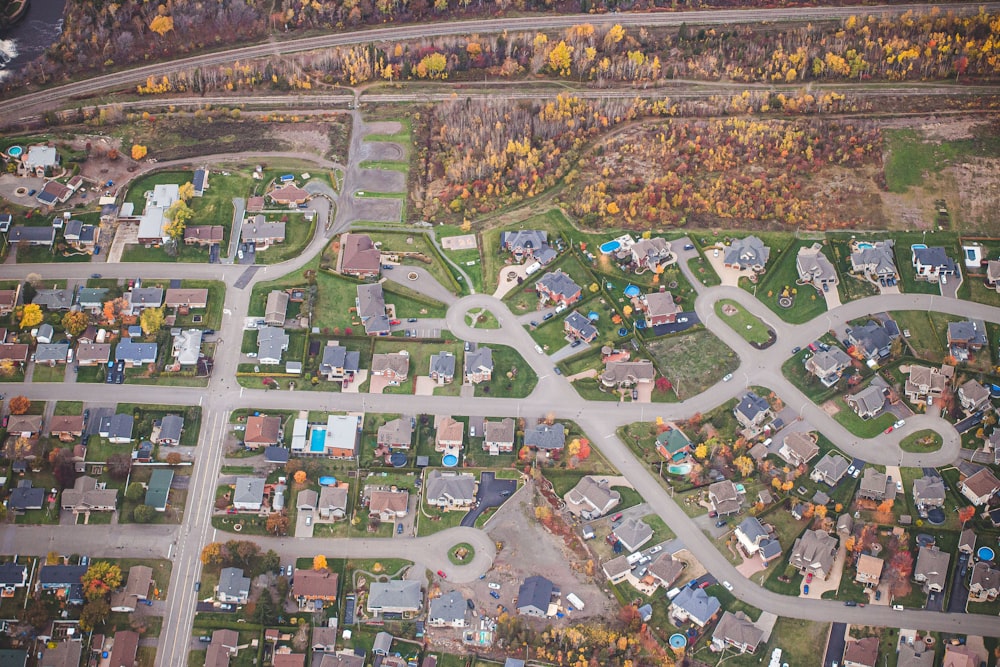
<point x="29" y="37"/>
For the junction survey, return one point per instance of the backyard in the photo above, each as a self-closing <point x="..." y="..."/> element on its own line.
<point x="780" y="280"/>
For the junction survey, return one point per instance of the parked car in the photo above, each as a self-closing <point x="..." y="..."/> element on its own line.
<point x="682" y="320"/>
<point x="689" y="247"/>
<point x="728" y="586"/>
<point x="411" y="319"/>
<point x="399" y="529"/>
<point x="850" y="603"/>
<point x="557" y="371"/>
<point x="548" y="316"/>
<point x="796" y="349"/>
<point x="494" y="595"/>
<point x="890" y="429"/>
<point x="197" y="586"/>
<point x="494" y="585"/>
<point x="850" y="471"/>
<point x="900" y="424"/>
<point x="809" y="577"/>
<point x="534" y="323"/>
<point x="720" y="523"/>
<point x="395" y="322"/>
<point x="470" y="604"/>
<point x="442" y="574"/>
<point x="576" y="343"/>
<point x="309" y="520"/>
<point x="727" y="377"/>
<point x="713" y="514"/>
<point x="805" y="589"/>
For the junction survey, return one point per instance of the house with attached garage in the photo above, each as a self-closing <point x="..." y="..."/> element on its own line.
<point x="993" y="274"/>
<point x="828" y="365"/>
<point x="925" y="384"/>
<point x="830" y="469"/>
<point x="447" y="611"/>
<point x="117" y="428"/>
<point x="38" y="160"/>
<point x="234" y="586"/>
<point x="874" y="485"/>
<point x="870" y="341"/>
<point x="534" y="596"/>
<point x="747" y="254"/>
<point x="248" y="493"/>
<point x="478" y="365"/>
<point x="973" y="396"/>
<point x="332" y="502"/>
<point x="203" y="235"/>
<point x="141" y="298"/>
<point x="869" y="570"/>
<point x="984" y="585"/>
<point x="979" y="487"/>
<point x="289" y="194"/>
<point x="31" y="236"/>
<point x="932" y="264"/>
<point x="876" y="261"/>
<point x="450" y="433"/>
<point x="579" y="327"/>
<point x="54" y="299"/>
<point x="272" y="342"/>
<point x="186" y="347"/>
<point x="386" y="504"/>
<point x="524" y="244"/>
<point x="370" y="305"/>
<point x="359" y="257"/>
<point x="261" y="431"/>
<point x="754" y="538"/>
<point x="814" y="268"/>
<point x="169" y="430"/>
<point x="545" y="437"/>
<point x="450" y="490"/>
<point x="186" y="298"/>
<point x="498" y="436"/>
<point x="725" y="497"/>
<point x="338" y="363"/>
<point x="738" y="632"/>
<point x="393" y="366"/>
<point x="625" y="374"/>
<point x="869" y="402"/>
<point x="9" y="299"/>
<point x="814" y="552"/>
<point x="633" y="533"/>
<point x="591" y="498"/>
<point x="558" y="288"/>
<point x="861" y="652"/>
<point x="12" y="576"/>
<point x="89" y="495"/>
<point x="657" y="307"/>
<point x="81" y="236"/>
<point x="673" y="445"/>
<point x="52" y="193"/>
<point x="136" y="354"/>
<point x="314" y="588"/>
<point x="931" y="569"/>
<point x="966" y="337"/>
<point x="51" y="354"/>
<point x="648" y="254"/>
<point x="928" y="492"/>
<point x="396" y="433"/>
<point x="442" y="368"/>
<point x="694" y="605"/>
<point x="140" y="579"/>
<point x="16" y="353"/>
<point x="798" y="448"/>
<point x="25" y="497"/>
<point x="262" y="234"/>
<point x="397" y="596"/>
<point x="275" y="308"/>
<point x="753" y="412"/>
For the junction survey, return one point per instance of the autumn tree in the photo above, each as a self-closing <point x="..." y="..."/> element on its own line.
<point x="663" y="385"/>
<point x="143" y="513"/>
<point x="93" y="614"/>
<point x="186" y="191"/>
<point x="300" y="477"/>
<point x="7" y="368"/>
<point x="966" y="513"/>
<point x="178" y="215"/>
<point x="173" y="458"/>
<point x="114" y="309"/>
<point x="744" y="464"/>
<point x="75" y="322"/>
<point x="701" y="451"/>
<point x="151" y="320"/>
<point x="211" y="554"/>
<point x="100" y="579"/>
<point x="277" y="523"/>
<point x="138" y="151"/>
<point x="319" y="562"/>
<point x="161" y="25"/>
<point x="19" y="405"/>
<point x="31" y="316"/>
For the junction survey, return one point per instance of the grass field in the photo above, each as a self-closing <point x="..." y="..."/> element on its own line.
<point x="847" y="418"/>
<point x="909" y="155"/>
<point x="506" y="359"/>
<point x="704" y="271"/>
<point x="921" y="442"/>
<point x="692" y="361"/>
<point x="298" y="233"/>
<point x="744" y="323"/>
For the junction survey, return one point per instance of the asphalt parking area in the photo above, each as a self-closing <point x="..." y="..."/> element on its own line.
<point x="492" y="492"/>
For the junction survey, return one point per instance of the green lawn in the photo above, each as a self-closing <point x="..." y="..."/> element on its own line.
<point x="483" y="320"/>
<point x="416" y="242"/>
<point x="46" y="373"/>
<point x="921" y="442"/>
<point x="781" y="275"/>
<point x="298" y="233"/>
<point x="744" y="323"/>
<point x="910" y="155"/>
<point x="870" y="428"/>
<point x="693" y="361"/>
<point x="704" y="271"/>
<point x="506" y="360"/>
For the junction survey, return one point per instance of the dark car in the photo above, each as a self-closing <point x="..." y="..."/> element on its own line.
<point x="399" y="529"/>
<point x="411" y="319"/>
<point x="796" y="349"/>
<point x="31" y="193"/>
<point x="576" y="343"/>
<point x="635" y="394"/>
<point x="720" y="523"/>
<point x="494" y="595"/>
<point x="557" y="371"/>
<point x="110" y="378"/>
<point x="197" y="586"/>
<point x="549" y="316"/>
<point x="470" y="604"/>
<point x="689" y="247"/>
<point x="850" y="603"/>
<point x="95" y="276"/>
<point x="534" y="323"/>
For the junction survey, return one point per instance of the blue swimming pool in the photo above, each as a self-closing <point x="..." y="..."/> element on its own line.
<point x="610" y="247"/>
<point x="15" y="151"/>
<point x="631" y="291"/>
<point x="317" y="440"/>
<point x="918" y="246"/>
<point x="864" y="245"/>
<point x="449" y="460"/>
<point x="985" y="553"/>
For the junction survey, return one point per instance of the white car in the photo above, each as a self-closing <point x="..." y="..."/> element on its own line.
<point x="900" y="424"/>
<point x="682" y="319"/>
<point x="728" y="586"/>
<point x="309" y="520"/>
<point x="494" y="586"/>
<point x="727" y="377"/>
<point x="655" y="550"/>
<point x="715" y="253"/>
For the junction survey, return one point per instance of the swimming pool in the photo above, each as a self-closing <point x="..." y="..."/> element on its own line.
<point x="15" y="151"/>
<point x="610" y="247"/>
<point x="326" y="480"/>
<point x="918" y="246"/>
<point x="679" y="468"/>
<point x="678" y="641"/>
<point x="317" y="440"/>
<point x="863" y="245"/>
<point x="985" y="553"/>
<point x="632" y="291"/>
<point x="449" y="460"/>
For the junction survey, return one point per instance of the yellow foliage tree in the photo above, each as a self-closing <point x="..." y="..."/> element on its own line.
<point x="433" y="66"/>
<point x="161" y="25"/>
<point x="701" y="451"/>
<point x="561" y="58"/>
<point x="300" y="477"/>
<point x="319" y="562"/>
<point x="31" y="316"/>
<point x="186" y="191"/>
<point x="138" y="151"/>
<point x="466" y="225"/>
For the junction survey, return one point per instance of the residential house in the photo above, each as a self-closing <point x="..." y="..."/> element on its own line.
<point x="752" y="412"/>
<point x="966" y="337"/>
<point x="673" y="445"/>
<point x="738" y="632"/>
<point x="869" y="570"/>
<point x="633" y="533"/>
<point x="16" y="353"/>
<point x="397" y="596"/>
<point x="617" y="569"/>
<point x="558" y="288"/>
<point x="967" y="541"/>
<point x="140" y="579"/>
<point x="25" y="497"/>
<point x="694" y="605"/>
<point x="876" y="261"/>
<point x="393" y="366"/>
<point x="979" y="487"/>
<point x="8" y="299"/>
<point x="64" y="653"/>
<point x="44" y="333"/>
<point x="928" y="492"/>
<point x="248" y="493"/>
<point x="136" y="354"/>
<point x="289" y="194"/>
<point x="186" y="298"/>
<point x="310" y="587"/>
<point x="871" y="341"/>
<point x="203" y="235"/>
<point x="93" y="354"/>
<point x="924" y="384"/>
<point x="89" y="495"/>
<point x="931" y="568"/>
<point x="332" y="502"/>
<point x="359" y="256"/>
<point x="224" y="644"/>
<point x="918" y="655"/>
<point x="628" y="373"/>
<point x="447" y="611"/>
<point x="307" y="499"/>
<point x="64" y="580"/>
<point x="984" y="585"/>
<point x="272" y="342"/>
<point x="186" y="347"/>
<point x="340" y="440"/>
<point x="442" y="367"/>
<point x="324" y="640"/>
<point x="53" y="299"/>
<point x="275" y="308"/>
<point x="234" y="586"/>
<point x="339" y="364"/>
<point x="750" y="533"/>
<point x="478" y="365"/>
<point x="117" y="428"/>
<point x="498" y="436"/>
<point x="158" y="489"/>
<point x="200" y="182"/>
<point x="932" y="263"/>
<point x="382" y="643"/>
<point x="396" y="434"/>
<point x="449" y="434"/>
<point x="828" y="365"/>
<point x="861" y="652"/>
<point x="370" y="305"/>
<point x="815" y="552"/>
<point x="450" y="490"/>
<point x="12" y="575"/>
<point x="658" y="308"/>
<point x="51" y="354"/>
<point x="388" y="505"/>
<point x="579" y="327"/>
<point x="814" y="268"/>
<point x="140" y="298"/>
<point x="545" y="437"/>
<point x="31" y="236"/>
<point x="52" y="193"/>
<point x="81" y="236"/>
<point x="725" y="497"/>
<point x="648" y="254"/>
<point x="747" y="254"/>
<point x="261" y="233"/>
<point x="961" y="655"/>
<point x="282" y="659"/>
<point x="534" y="597"/>
<point x="868" y="402"/>
<point x="592" y="498"/>
<point x="261" y="431"/>
<point x="873" y="485"/>
<point x="38" y="160"/>
<point x="798" y="448"/>
<point x="973" y="396"/>
<point x="524" y="244"/>
<point x="665" y="569"/>
<point x="830" y="469"/>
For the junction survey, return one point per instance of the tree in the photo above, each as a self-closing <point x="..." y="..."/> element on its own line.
<point x="966" y="513"/>
<point x="701" y="451"/>
<point x="31" y="316"/>
<point x="584" y="449"/>
<point x="663" y="385"/>
<point x="744" y="464"/>
<point x="820" y="511"/>
<point x="100" y="579"/>
<point x="138" y="151"/>
<point x="151" y="320"/>
<point x="161" y="25"/>
<point x="277" y="523"/>
<point x="173" y="458"/>
<point x="178" y="215"/>
<point x="119" y="466"/>
<point x="466" y="225"/>
<point x="143" y="513"/>
<point x="186" y="191"/>
<point x="75" y="322"/>
<point x="7" y="368"/>
<point x="300" y="477"/>
<point x="114" y="309"/>
<point x="36" y="614"/>
<point x="211" y="554"/>
<point x="93" y="614"/>
<point x="319" y="562"/>
<point x="135" y="492"/>
<point x="19" y="405"/>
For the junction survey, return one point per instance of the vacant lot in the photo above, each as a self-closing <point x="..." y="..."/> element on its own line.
<point x="693" y="361"/>
<point x="743" y="322"/>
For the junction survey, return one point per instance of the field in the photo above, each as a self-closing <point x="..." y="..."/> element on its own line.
<point x="692" y="361"/>
<point x="744" y="323"/>
<point x="921" y="442"/>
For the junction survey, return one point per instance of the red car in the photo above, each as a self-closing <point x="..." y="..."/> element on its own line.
<point x="705" y="584"/>
<point x="809" y="578"/>
<point x="442" y="574"/>
<point x="713" y="514"/>
<point x="890" y="429"/>
<point x="395" y="322"/>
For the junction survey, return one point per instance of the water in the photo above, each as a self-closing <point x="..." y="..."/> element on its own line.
<point x="29" y="37"/>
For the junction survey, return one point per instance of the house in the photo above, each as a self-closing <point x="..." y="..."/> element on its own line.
<point x="960" y="656"/>
<point x="340" y="440"/>
<point x="16" y="353"/>
<point x="478" y="365"/>
<point x="752" y="412"/>
<point x="271" y="343"/>
<point x="725" y="497"/>
<point x="93" y="354"/>
<point x="388" y="505"/>
<point x="973" y="396"/>
<point x="442" y="368"/>
<point x="917" y="655"/>
<point x="117" y="428"/>
<point x="186" y="298"/>
<point x="979" y="487"/>
<point x="140" y="298"/>
<point x="339" y="364"/>
<point x="288" y="659"/>
<point x="136" y="354"/>
<point x="828" y="365"/>
<point x="24" y="425"/>
<point x="868" y="402"/>
<point x="447" y="611"/>
<point x="984" y="585"/>
<point x="52" y="193"/>
<point x="31" y="236"/>
<point x="393" y="366"/>
<point x="658" y="308"/>
<point x="534" y="596"/>
<point x="396" y="434"/>
<point x="932" y="263"/>
<point x="931" y="568"/>
<point x="224" y="644"/>
<point x="964" y="338"/>
<point x="44" y="333"/>
<point x="545" y="437"/>
<point x="203" y="235"/>
<point x="871" y="341"/>
<point x="89" y="495"/>
<point x="814" y="552"/>
<point x="124" y="649"/>
<point x="38" y="160"/>
<point x="25" y="497"/>
<point x="359" y="256"/>
<point x="91" y="298"/>
<point x="200" y="182"/>
<point x="262" y="234"/>
<point x="51" y="354"/>
<point x="869" y="570"/>
<point x="140" y="578"/>
<point x="738" y="632"/>
<point x="65" y="653"/>
<point x="450" y="433"/>
<point x="170" y="429"/>
<point x="928" y="492"/>
<point x="694" y="605"/>
<point x="450" y="490"/>
<point x="80" y="235"/>
<point x="592" y="498"/>
<point x="873" y="485"/>
<point x="275" y="308"/>
<point x="876" y="261"/>
<point x="13" y="575"/>
<point x="186" y="347"/>
<point x="830" y="469"/>
<point x="750" y="533"/>
<point x="248" y="493"/>
<point x="747" y="254"/>
<point x="158" y="489"/>
<point x="617" y="569"/>
<point x="8" y="299"/>
<point x="665" y="569"/>
<point x="53" y="299"/>
<point x="558" y="288"/>
<point x="861" y="652"/>
<point x="324" y="640"/>
<point x="673" y="445"/>
<point x="307" y="499"/>
<point x="332" y="502"/>
<point x="524" y="243"/>
<point x="233" y="586"/>
<point x="397" y="596"/>
<point x="648" y="254"/>
<point x="65" y="580"/>
<point x="370" y="305"/>
<point x="382" y="643"/>
<point x="924" y="384"/>
<point x="628" y="373"/>
<point x="633" y="533"/>
<point x="498" y="436"/>
<point x="814" y="268"/>
<point x="579" y="327"/>
<point x="261" y="431"/>
<point x="289" y="194"/>
<point x="967" y="541"/>
<point x="798" y="448"/>
<point x="993" y="274"/>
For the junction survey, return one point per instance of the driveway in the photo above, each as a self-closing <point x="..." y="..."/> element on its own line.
<point x="301" y="529"/>
<point x="492" y="492"/>
<point x="835" y="645"/>
<point x="819" y="586"/>
<point x="378" y="383"/>
<point x="424" y="283"/>
<point x="424" y="385"/>
<point x="959" y="593"/>
<point x="950" y="290"/>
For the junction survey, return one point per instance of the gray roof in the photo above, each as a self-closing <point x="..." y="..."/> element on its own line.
<point x="928" y="488"/>
<point x="932" y="566"/>
<point x="499" y="431"/>
<point x="934" y="256"/>
<point x="879" y="259"/>
<point x="275" y="454"/>
<point x="338" y="356"/>
<point x="396" y="433"/>
<point x="233" y="583"/>
<point x="828" y="360"/>
<point x="633" y="533"/>
<point x="544" y="436"/>
<point x="748" y="252"/>
<point x="770" y="548"/>
<point x="51" y="352"/>
<point x="25" y="496"/>
<point x="45" y="331"/>
<point x="871" y="337"/>
<point x="560" y="284"/>
<point x="448" y="485"/>
<point x="54" y="299"/>
<point x="377" y="324"/>
<point x="443" y="363"/>
<point x="581" y="324"/>
<point x="118" y="426"/>
<point x="524" y="238"/>
<point x="752" y="528"/>
<point x="91" y="296"/>
<point x="449" y="607"/>
<point x="371" y="301"/>
<point x="271" y="342"/>
<point x="536" y="591"/>
<point x="751" y="405"/>
<point x="737" y="629"/>
<point x="971" y="331"/>
<point x="479" y="360"/>
<point x="132" y="352"/>
<point x="812" y="264"/>
<point x="697" y="603"/>
<point x="258" y="231"/>
<point x="814" y="550"/>
<point x="148" y="297"/>
<point x="171" y="427"/>
<point x="19" y="233"/>
<point x="868" y="401"/>
<point x="249" y="490"/>
<point x="395" y="594"/>
<point x="832" y="466"/>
